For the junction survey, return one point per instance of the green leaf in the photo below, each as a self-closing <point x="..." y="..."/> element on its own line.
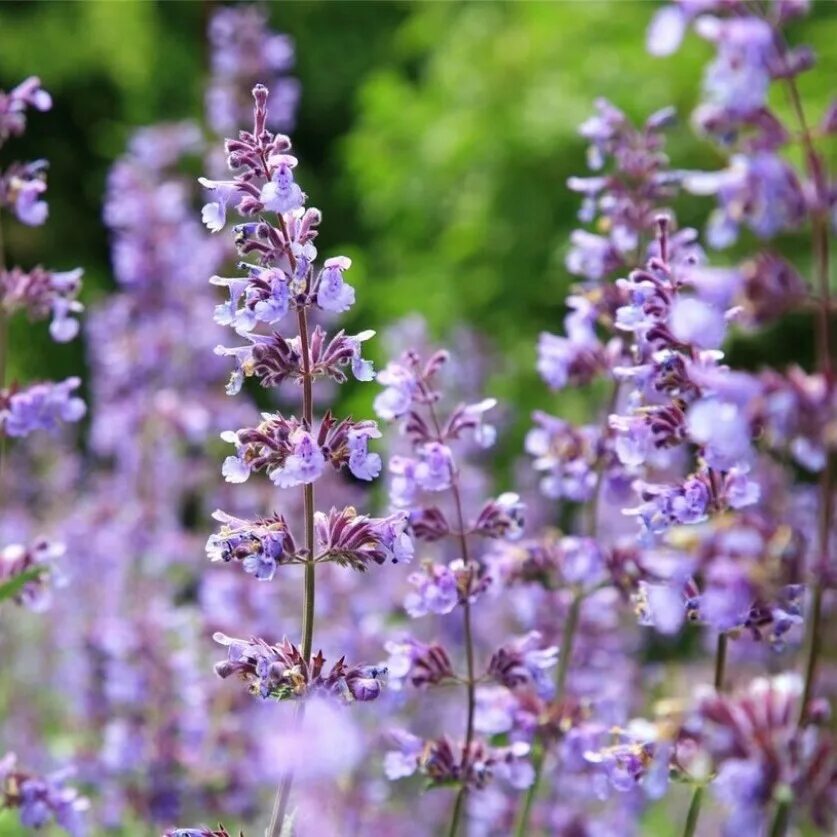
<point x="12" y="587"/>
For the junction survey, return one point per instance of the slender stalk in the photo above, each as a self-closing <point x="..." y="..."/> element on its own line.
<point x="308" y="491"/>
<point x="720" y="662"/>
<point x="820" y="246"/>
<point x="4" y="351"/>
<point x="461" y="796"/>
<point x="283" y="792"/>
<point x="697" y="797"/>
<point x="781" y="820"/>
<point x="694" y="812"/>
<point x="570" y="630"/>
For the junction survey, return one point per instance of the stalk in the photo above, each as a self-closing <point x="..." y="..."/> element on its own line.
<point x="694" y="812"/>
<point x="4" y="346"/>
<point x="283" y="792"/>
<point x="570" y="630"/>
<point x="781" y="820"/>
<point x="820" y="246"/>
<point x="461" y="796"/>
<point x="697" y="797"/>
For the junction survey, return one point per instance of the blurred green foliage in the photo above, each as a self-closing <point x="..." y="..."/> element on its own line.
<point x="436" y="137"/>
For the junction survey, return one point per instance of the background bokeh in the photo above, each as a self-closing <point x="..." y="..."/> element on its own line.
<point x="436" y="137"/>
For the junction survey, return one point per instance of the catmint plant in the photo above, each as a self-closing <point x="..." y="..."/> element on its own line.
<point x="40" y="800"/>
<point x="427" y="484"/>
<point x="39" y="293"/>
<point x="282" y="283"/>
<point x="684" y="430"/>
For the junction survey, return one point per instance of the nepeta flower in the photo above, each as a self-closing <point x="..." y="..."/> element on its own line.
<point x="524" y="662"/>
<point x="280" y="672"/>
<point x="37" y="563"/>
<point x="333" y="294"/>
<point x="13" y="105"/>
<point x="261" y="546"/>
<point x="40" y="407"/>
<point x="41" y="800"/>
<point x="759" y="190"/>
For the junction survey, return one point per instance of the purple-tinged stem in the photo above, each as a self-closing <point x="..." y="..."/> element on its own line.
<point x="567" y="640"/>
<point x="571" y="625"/>
<point x="820" y="245"/>
<point x="693" y="816"/>
<point x="283" y="793"/>
<point x="4" y="347"/>
<point x="459" y="804"/>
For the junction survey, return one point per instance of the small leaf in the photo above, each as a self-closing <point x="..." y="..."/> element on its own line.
<point x="12" y="587"/>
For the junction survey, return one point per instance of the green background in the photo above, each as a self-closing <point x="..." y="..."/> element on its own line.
<point x="436" y="138"/>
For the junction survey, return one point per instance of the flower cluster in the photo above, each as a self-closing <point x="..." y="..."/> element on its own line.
<point x="281" y="282"/>
<point x="245" y="51"/>
<point x="281" y="672"/>
<point x="39" y="292"/>
<point x="41" y="800"/>
<point x="28" y="573"/>
<point x="695" y="452"/>
<point x="426" y="483"/>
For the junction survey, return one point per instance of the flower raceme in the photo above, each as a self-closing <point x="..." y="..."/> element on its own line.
<point x="279" y="282"/>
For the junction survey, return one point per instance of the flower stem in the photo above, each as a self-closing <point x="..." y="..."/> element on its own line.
<point x="718" y="681"/>
<point x="694" y="812"/>
<point x="570" y="630"/>
<point x="720" y="662"/>
<point x="459" y="804"/>
<point x="572" y="619"/>
<point x="820" y="246"/>
<point x="781" y="820"/>
<point x="283" y="792"/>
<point x="4" y="347"/>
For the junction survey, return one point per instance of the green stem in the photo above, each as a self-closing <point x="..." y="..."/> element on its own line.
<point x="4" y="351"/>
<point x="781" y="820"/>
<point x="820" y="245"/>
<point x="697" y="797"/>
<point x="720" y="662"/>
<point x="283" y="793"/>
<point x="570" y="630"/>
<point x="461" y="796"/>
<point x="694" y="812"/>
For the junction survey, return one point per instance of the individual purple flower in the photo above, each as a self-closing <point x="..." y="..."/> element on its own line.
<point x="759" y="190"/>
<point x="697" y="323"/>
<point x="13" y="105"/>
<point x="41" y="800"/>
<point x="261" y="546"/>
<point x="28" y="206"/>
<point x="333" y="294"/>
<point x="502" y="517"/>
<point x="40" y="407"/>
<point x="739" y="76"/>
<point x="400" y="386"/>
<point x="424" y="665"/>
<point x="723" y="432"/>
<point x="434" y="469"/>
<point x="404" y="760"/>
<point x="304" y="464"/>
<point x="437" y="590"/>
<point x="363" y="464"/>
<point x="525" y="662"/>
<point x="281" y="193"/>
